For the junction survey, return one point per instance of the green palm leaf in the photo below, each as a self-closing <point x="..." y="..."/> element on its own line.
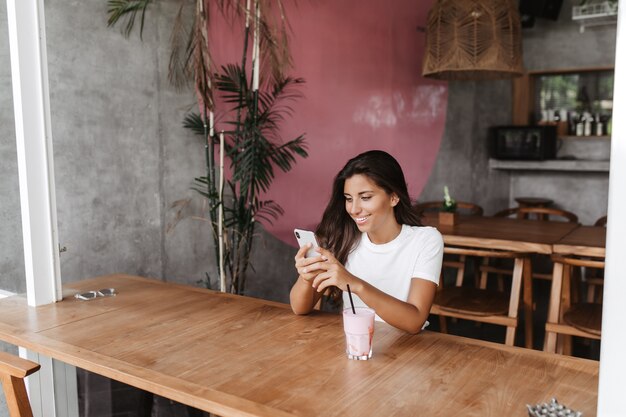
<point x="127" y="9"/>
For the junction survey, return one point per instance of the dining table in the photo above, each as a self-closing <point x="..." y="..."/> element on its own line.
<point x="508" y="234"/>
<point x="233" y="355"/>
<point x="584" y="241"/>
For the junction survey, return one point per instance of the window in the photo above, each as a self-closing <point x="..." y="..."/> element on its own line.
<point x="583" y="100"/>
<point x="579" y="102"/>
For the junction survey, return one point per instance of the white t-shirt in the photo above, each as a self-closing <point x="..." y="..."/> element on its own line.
<point x="416" y="252"/>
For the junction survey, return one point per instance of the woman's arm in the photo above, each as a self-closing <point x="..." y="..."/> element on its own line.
<point x="303" y="296"/>
<point x="408" y="316"/>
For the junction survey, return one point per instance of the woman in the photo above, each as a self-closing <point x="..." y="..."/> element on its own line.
<point x="372" y="241"/>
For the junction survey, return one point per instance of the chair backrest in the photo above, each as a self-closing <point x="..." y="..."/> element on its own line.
<point x="13" y="370"/>
<point x="579" y="261"/>
<point x="601" y="221"/>
<point x="461" y="206"/>
<point x="483" y="253"/>
<point x="538" y="213"/>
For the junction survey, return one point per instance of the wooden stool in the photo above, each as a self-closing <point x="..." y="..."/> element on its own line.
<point x="13" y="370"/>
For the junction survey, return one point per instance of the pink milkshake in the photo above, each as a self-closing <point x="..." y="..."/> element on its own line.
<point x="359" y="329"/>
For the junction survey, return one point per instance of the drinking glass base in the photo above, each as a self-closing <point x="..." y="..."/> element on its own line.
<point x="359" y="357"/>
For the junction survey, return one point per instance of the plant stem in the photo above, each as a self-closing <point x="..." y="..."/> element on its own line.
<point x="210" y="165"/>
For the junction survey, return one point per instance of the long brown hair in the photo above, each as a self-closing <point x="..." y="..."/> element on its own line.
<point x="337" y="231"/>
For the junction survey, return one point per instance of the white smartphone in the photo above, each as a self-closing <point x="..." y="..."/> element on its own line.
<point x="306" y="236"/>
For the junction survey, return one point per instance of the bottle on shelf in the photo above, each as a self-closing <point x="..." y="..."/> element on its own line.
<point x="587" y="124"/>
<point x="580" y="126"/>
<point x="599" y="128"/>
<point x="572" y="119"/>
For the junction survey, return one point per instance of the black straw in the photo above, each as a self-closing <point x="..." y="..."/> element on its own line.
<point x="351" y="302"/>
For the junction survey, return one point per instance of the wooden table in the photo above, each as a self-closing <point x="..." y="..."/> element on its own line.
<point x="520" y="235"/>
<point x="583" y="241"/>
<point x="238" y="356"/>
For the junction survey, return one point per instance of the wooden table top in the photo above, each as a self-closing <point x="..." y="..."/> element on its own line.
<point x="503" y="233"/>
<point x="239" y="356"/>
<point x="583" y="241"/>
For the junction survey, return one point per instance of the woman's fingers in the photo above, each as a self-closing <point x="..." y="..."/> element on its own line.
<point x="321" y="281"/>
<point x="315" y="270"/>
<point x="302" y="252"/>
<point x="310" y="264"/>
<point x="326" y="254"/>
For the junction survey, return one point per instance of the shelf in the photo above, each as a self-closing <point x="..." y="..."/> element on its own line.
<point x="572" y="137"/>
<point x="575" y="165"/>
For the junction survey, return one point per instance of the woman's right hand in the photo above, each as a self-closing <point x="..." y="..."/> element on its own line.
<point x="307" y="267"/>
<point x="303" y="296"/>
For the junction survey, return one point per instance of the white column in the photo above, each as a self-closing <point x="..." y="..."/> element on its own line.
<point x="611" y="401"/>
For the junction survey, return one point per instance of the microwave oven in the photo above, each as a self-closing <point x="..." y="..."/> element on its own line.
<point x="523" y="142"/>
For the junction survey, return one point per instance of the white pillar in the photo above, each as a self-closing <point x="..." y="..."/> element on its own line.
<point x="611" y="401"/>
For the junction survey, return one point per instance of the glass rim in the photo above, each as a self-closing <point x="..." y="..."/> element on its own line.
<point x="360" y="308"/>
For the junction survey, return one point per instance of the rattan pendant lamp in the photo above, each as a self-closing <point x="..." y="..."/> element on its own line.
<point x="473" y="40"/>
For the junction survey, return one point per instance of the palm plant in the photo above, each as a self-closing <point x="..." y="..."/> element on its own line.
<point x="254" y="147"/>
<point x="257" y="107"/>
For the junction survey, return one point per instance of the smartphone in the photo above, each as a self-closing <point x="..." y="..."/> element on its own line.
<point x="306" y="236"/>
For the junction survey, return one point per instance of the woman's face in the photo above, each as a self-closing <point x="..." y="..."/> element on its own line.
<point x="371" y="208"/>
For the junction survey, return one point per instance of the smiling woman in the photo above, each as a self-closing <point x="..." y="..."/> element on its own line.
<point x="373" y="243"/>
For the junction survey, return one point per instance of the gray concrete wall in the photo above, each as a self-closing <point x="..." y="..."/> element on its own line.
<point x="121" y="156"/>
<point x="462" y="160"/>
<point x="473" y="106"/>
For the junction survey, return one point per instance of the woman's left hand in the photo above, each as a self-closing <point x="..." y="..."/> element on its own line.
<point x="334" y="273"/>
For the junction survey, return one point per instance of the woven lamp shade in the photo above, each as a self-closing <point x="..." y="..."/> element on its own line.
<point x="473" y="40"/>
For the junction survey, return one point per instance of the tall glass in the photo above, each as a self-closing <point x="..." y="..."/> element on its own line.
<point x="359" y="330"/>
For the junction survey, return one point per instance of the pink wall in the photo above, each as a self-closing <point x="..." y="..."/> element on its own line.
<point x="361" y="60"/>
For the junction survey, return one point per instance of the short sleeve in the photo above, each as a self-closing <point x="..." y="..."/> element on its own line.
<point x="429" y="259"/>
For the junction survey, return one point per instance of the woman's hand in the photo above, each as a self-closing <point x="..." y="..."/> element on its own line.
<point x="308" y="268"/>
<point x="333" y="273"/>
<point x="303" y="296"/>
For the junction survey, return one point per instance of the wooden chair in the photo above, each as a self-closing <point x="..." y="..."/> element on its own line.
<point x="533" y="201"/>
<point x="13" y="370"/>
<point x="565" y="317"/>
<point x="538" y="213"/>
<point x="480" y="304"/>
<point x="601" y="221"/>
<point x="459" y="263"/>
<point x="594" y="278"/>
<point x="530" y="213"/>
